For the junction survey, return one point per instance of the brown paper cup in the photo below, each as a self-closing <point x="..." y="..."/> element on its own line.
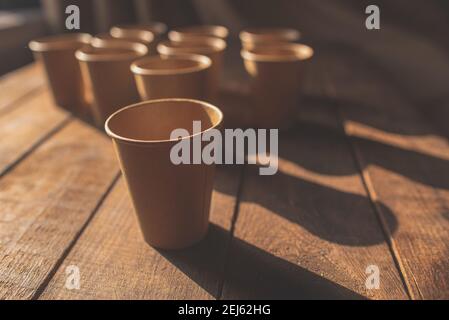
<point x="158" y="29"/>
<point x="185" y="33"/>
<point x="276" y="74"/>
<point x="183" y="76"/>
<point x="144" y="37"/>
<point x="211" y="47"/>
<point x="136" y="35"/>
<point x="107" y="73"/>
<point x="104" y="39"/>
<point x="267" y="36"/>
<point x="57" y="55"/>
<point x="172" y="202"/>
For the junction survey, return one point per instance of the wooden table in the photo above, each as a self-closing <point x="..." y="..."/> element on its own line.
<point x="363" y="180"/>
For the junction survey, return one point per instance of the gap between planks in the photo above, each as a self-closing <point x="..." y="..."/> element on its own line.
<point x="33" y="147"/>
<point x="232" y="229"/>
<point x="33" y="249"/>
<point x="358" y="159"/>
<point x="368" y="185"/>
<point x="69" y="248"/>
<point x="19" y="101"/>
<point x="19" y="85"/>
<point x="418" y="189"/>
<point x="25" y="127"/>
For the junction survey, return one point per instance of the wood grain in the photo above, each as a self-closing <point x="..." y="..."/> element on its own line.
<point x="19" y="84"/>
<point x="115" y="262"/>
<point x="406" y="161"/>
<point x="308" y="232"/>
<point x="26" y="126"/>
<point x="45" y="201"/>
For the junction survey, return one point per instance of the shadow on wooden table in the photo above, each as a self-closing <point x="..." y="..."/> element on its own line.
<point x="388" y="140"/>
<point x="330" y="214"/>
<point x="366" y="112"/>
<point x="371" y="115"/>
<point x="251" y="273"/>
<point x="415" y="165"/>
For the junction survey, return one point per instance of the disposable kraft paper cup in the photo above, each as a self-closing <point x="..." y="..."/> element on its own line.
<point x="276" y="74"/>
<point x="106" y="71"/>
<point x="144" y="37"/>
<point x="253" y="37"/>
<point x="185" y="33"/>
<point x="211" y="47"/>
<point x="183" y="76"/>
<point x="158" y="29"/>
<point x="136" y="35"/>
<point x="172" y="202"/>
<point x="103" y="40"/>
<point x="57" y="55"/>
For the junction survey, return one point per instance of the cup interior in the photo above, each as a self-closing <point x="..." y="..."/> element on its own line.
<point x="173" y="65"/>
<point x="153" y="121"/>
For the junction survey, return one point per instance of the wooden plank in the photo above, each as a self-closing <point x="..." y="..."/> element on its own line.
<point x="18" y="84"/>
<point x="115" y="262"/>
<point x="309" y="231"/>
<point x="44" y="203"/>
<point x="406" y="163"/>
<point x="27" y="126"/>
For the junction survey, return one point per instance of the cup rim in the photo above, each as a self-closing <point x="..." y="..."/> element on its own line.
<point x="157" y="28"/>
<point x="208" y="45"/>
<point x="203" y="63"/>
<point x="297" y="55"/>
<point x="113" y="135"/>
<point x="60" y="42"/>
<point x="138" y="50"/>
<point x="216" y="31"/>
<point x="102" y="40"/>
<point x="262" y="33"/>
<point x="120" y="33"/>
